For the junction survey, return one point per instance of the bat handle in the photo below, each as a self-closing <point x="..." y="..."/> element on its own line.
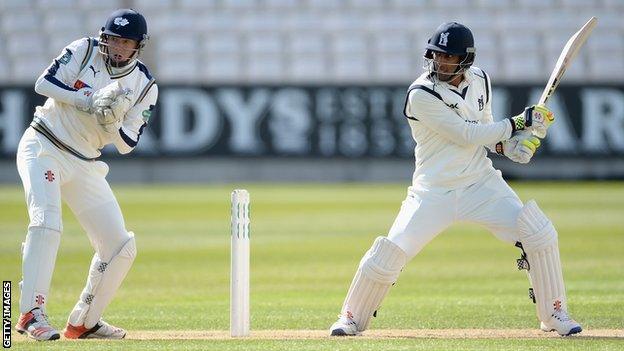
<point x="543" y="99"/>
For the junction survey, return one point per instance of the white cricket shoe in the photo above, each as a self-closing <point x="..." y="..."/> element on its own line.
<point x="35" y="324"/>
<point x="101" y="330"/>
<point x="344" y="326"/>
<point x="562" y="324"/>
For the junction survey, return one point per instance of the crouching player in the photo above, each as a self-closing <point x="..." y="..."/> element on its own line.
<point x="98" y="93"/>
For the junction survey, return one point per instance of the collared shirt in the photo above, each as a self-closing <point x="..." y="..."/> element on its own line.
<point x="451" y="126"/>
<point x="80" y="65"/>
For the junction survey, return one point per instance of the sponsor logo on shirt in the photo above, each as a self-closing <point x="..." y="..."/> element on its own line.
<point x="146" y="115"/>
<point x="49" y="176"/>
<point x="94" y="71"/>
<point x="80" y="84"/>
<point x="66" y="57"/>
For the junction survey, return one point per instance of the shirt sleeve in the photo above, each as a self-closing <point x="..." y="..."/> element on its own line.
<point x="487" y="111"/>
<point x="488" y="117"/>
<point x="427" y="107"/>
<point x="135" y="121"/>
<point x="57" y="81"/>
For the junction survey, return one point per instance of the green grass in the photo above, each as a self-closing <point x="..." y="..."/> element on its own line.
<point x="306" y="243"/>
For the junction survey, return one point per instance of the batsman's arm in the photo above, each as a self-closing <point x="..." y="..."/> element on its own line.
<point x="433" y="113"/>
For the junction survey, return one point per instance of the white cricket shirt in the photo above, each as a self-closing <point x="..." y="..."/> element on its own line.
<point x="79" y="65"/>
<point x="451" y="126"/>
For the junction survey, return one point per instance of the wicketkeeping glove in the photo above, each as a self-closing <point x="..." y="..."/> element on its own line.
<point x="536" y="119"/>
<point x="110" y="117"/>
<point x="110" y="105"/>
<point x="90" y="101"/>
<point x="106" y="96"/>
<point x="83" y="100"/>
<point x="520" y="148"/>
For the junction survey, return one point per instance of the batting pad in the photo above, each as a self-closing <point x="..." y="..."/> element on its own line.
<point x="39" y="257"/>
<point x="378" y="270"/>
<point x="103" y="281"/>
<point x="539" y="239"/>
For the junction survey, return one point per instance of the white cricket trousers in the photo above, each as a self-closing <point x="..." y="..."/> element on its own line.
<point x="427" y="212"/>
<point x="49" y="175"/>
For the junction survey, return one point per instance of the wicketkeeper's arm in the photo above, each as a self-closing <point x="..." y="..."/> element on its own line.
<point x="135" y="121"/>
<point x="57" y="81"/>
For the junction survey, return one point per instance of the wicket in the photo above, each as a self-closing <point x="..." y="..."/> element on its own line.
<point x="239" y="284"/>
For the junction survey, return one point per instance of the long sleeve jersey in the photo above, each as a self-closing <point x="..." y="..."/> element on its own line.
<point x="80" y="65"/>
<point x="452" y="126"/>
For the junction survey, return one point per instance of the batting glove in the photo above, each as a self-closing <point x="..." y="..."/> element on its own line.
<point x="520" y="148"/>
<point x="536" y="119"/>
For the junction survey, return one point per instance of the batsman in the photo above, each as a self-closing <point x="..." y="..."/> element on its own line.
<point x="98" y="93"/>
<point x="449" y="111"/>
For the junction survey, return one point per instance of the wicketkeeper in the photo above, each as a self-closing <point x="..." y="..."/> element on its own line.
<point x="449" y="110"/>
<point x="99" y="93"/>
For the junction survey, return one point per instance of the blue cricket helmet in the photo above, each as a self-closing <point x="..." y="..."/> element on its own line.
<point x="454" y="39"/>
<point x="124" y="23"/>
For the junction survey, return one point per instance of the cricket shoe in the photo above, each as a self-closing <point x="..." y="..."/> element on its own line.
<point x="344" y="326"/>
<point x="35" y="324"/>
<point x="101" y="330"/>
<point x="562" y="324"/>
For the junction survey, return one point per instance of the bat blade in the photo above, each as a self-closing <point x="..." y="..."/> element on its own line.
<point x="570" y="50"/>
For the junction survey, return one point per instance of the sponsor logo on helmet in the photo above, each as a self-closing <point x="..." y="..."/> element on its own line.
<point x="443" y="39"/>
<point x="120" y="21"/>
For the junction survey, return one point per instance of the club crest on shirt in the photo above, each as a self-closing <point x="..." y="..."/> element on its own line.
<point x="480" y="101"/>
